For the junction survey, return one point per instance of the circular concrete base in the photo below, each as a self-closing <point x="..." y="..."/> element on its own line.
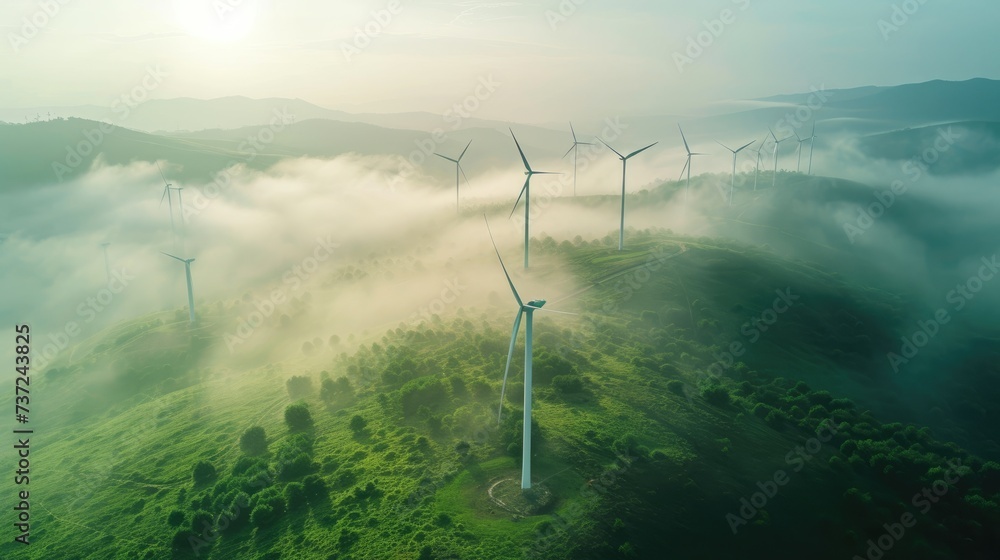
<point x="506" y="493"/>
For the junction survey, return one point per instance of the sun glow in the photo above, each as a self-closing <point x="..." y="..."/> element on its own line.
<point x="223" y="21"/>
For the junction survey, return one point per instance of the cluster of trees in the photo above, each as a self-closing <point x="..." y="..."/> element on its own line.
<point x="260" y="488"/>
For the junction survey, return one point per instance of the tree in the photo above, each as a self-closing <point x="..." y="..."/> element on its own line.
<point x="200" y="520"/>
<point x="254" y="441"/>
<point x="261" y="515"/>
<point x="203" y="472"/>
<point x="716" y="394"/>
<point x="176" y="518"/>
<point x="358" y="423"/>
<point x="331" y="389"/>
<point x="315" y="488"/>
<point x="298" y="418"/>
<point x="295" y="495"/>
<point x="299" y="386"/>
<point x="566" y="384"/>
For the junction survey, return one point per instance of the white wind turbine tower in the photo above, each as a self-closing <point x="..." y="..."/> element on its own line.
<point x="170" y="200"/>
<point x="180" y="211"/>
<point x="526" y="193"/>
<point x="458" y="168"/>
<point x="107" y="263"/>
<point x="774" y="180"/>
<point x="812" y="141"/>
<point x="524" y="309"/>
<point x="687" y="164"/>
<point x="187" y="272"/>
<point x="576" y="152"/>
<point x="732" y="185"/>
<point x="621" y="230"/>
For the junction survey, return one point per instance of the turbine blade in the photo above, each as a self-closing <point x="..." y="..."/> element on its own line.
<point x="570" y="149"/>
<point x="463" y="151"/>
<point x="173" y="257"/>
<point x="772" y="134"/>
<point x="166" y="190"/>
<point x="547" y="310"/>
<point x="612" y="149"/>
<point x="724" y="146"/>
<point x="510" y="354"/>
<point x="744" y="146"/>
<point x="573" y="131"/>
<point x="520" y="151"/>
<point x="516" y="202"/>
<point x="546" y="173"/>
<point x="445" y="157"/>
<point x="509" y="281"/>
<point x="686" y="148"/>
<point x="641" y="150"/>
<point x="683" y="169"/>
<point x="161" y="173"/>
<point x="463" y="173"/>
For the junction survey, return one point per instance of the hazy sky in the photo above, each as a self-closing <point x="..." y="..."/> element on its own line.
<point x="602" y="57"/>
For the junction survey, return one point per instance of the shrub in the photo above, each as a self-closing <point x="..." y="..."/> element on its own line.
<point x="315" y="488"/>
<point x="203" y="472"/>
<point x="298" y="466"/>
<point x="716" y="395"/>
<point x="298" y="418"/>
<point x="625" y="444"/>
<point x="176" y="518"/>
<point x="299" y="386"/>
<point x="200" y="520"/>
<point x="272" y="498"/>
<point x="261" y="515"/>
<point x="295" y="495"/>
<point x="676" y="387"/>
<point x="428" y="391"/>
<point x="567" y="384"/>
<point x="180" y="540"/>
<point x="358" y="423"/>
<point x="254" y="441"/>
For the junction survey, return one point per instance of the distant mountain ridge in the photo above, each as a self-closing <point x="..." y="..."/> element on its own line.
<point x="936" y="100"/>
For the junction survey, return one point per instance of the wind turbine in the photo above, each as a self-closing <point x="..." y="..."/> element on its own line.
<point x="524" y="309"/>
<point x="732" y="186"/>
<point x="687" y="164"/>
<point x="774" y="180"/>
<point x="187" y="272"/>
<point x="812" y="142"/>
<point x="756" y="171"/>
<point x="621" y="230"/>
<point x="798" y="161"/>
<point x="107" y="263"/>
<point x="526" y="193"/>
<point x="170" y="200"/>
<point x="458" y="167"/>
<point x="576" y="152"/>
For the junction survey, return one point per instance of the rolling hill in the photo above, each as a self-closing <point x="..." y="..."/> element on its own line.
<point x="649" y="436"/>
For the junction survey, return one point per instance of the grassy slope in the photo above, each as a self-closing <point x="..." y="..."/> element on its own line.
<point x="642" y="375"/>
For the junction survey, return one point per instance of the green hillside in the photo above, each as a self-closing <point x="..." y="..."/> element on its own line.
<point x="657" y="410"/>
